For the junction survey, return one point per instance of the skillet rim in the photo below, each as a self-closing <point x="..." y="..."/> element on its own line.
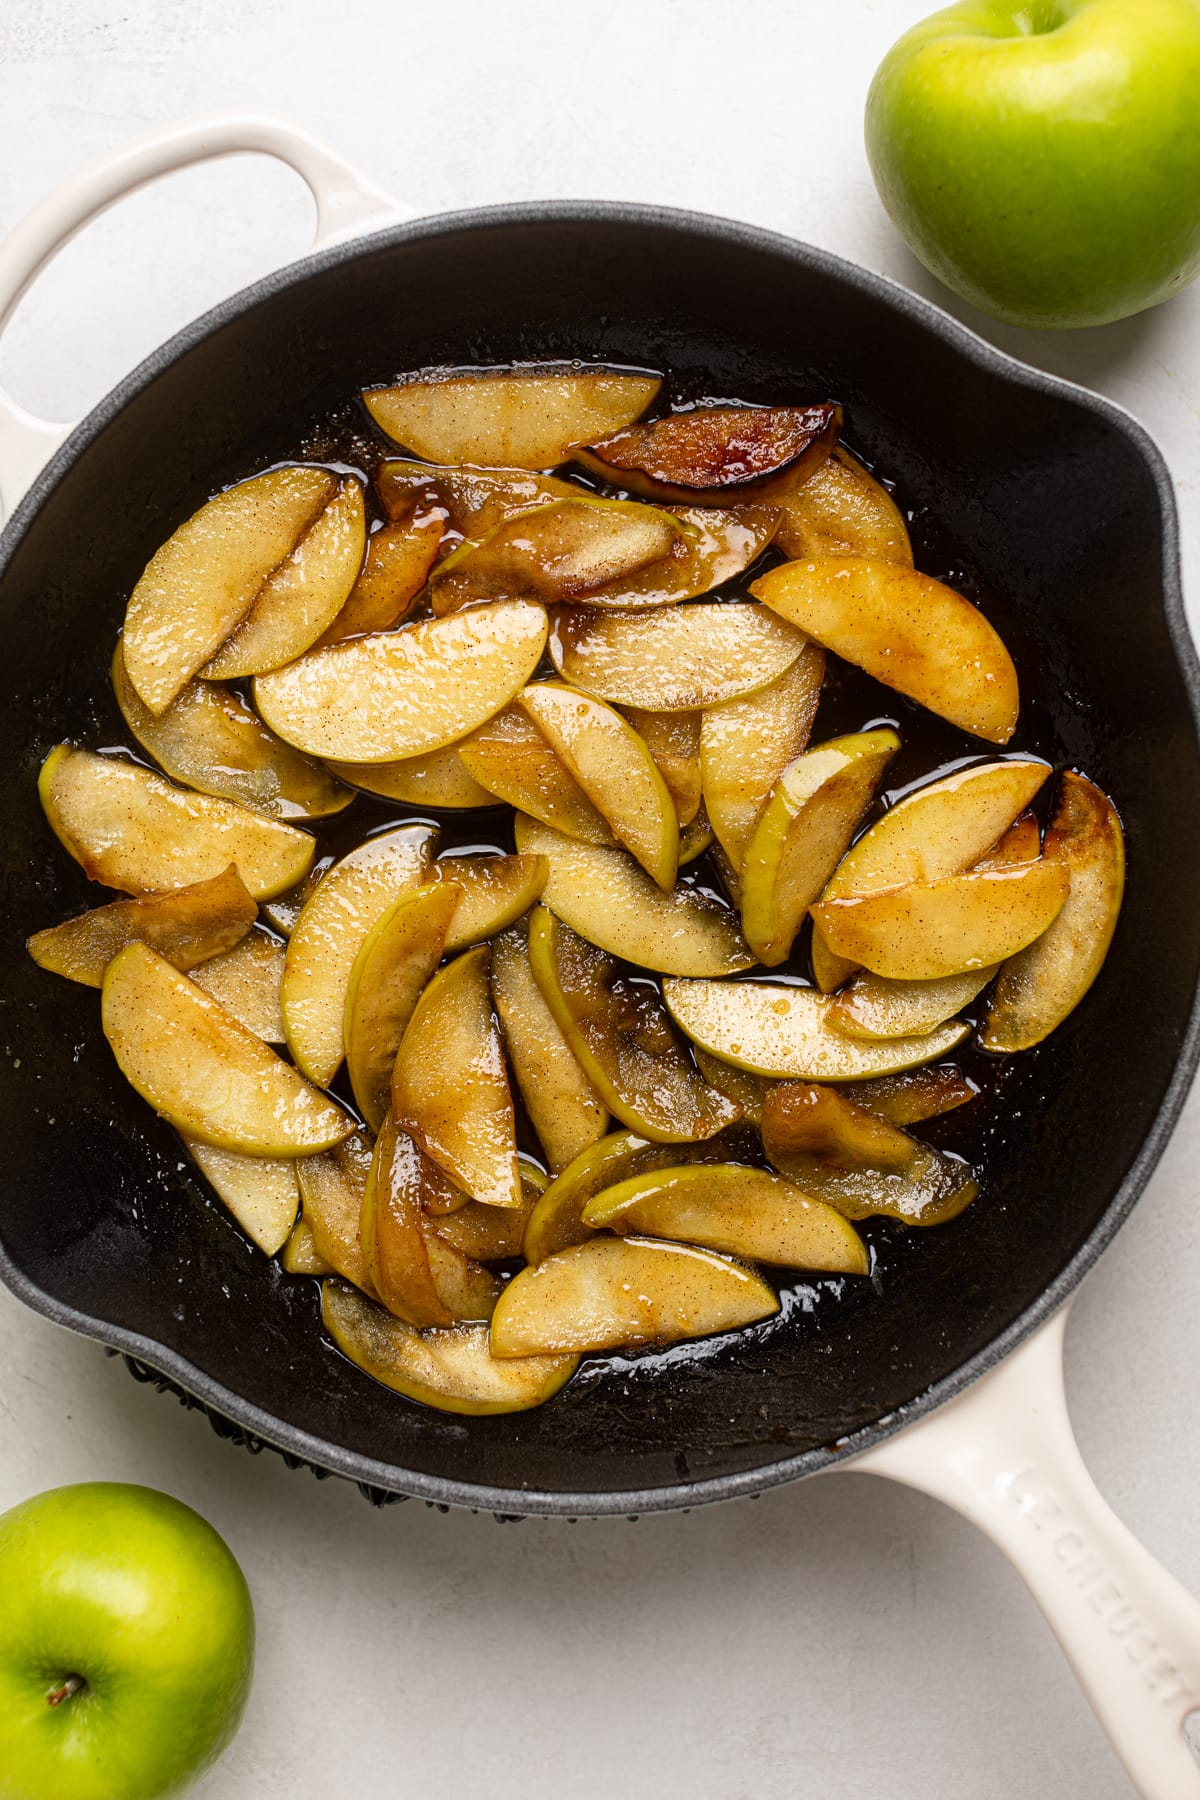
<point x="1000" y="366"/>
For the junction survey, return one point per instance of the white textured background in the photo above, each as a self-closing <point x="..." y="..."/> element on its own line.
<point x="841" y="1638"/>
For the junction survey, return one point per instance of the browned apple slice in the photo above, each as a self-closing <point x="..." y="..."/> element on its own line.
<point x="210" y="741"/>
<point x="746" y="744"/>
<point x="556" y="1222"/>
<point x="493" y="892"/>
<point x="395" y="568"/>
<point x="916" y="1094"/>
<point x="466" y="501"/>
<point x="201" y="584"/>
<point x="393" y="1236"/>
<point x="841" y="510"/>
<point x="331" y="1192"/>
<point x="262" y="1192"/>
<point x="909" y="631"/>
<point x="449" y="1086"/>
<point x="1043" y="984"/>
<point x="618" y="1293"/>
<point x="738" y="1085"/>
<point x="855" y="1161"/>
<point x="717" y="452"/>
<point x="695" y="839"/>
<point x="467" y="1290"/>
<point x="488" y="1234"/>
<point x="453" y="1369"/>
<point x="204" y="1071"/>
<point x="185" y="927"/>
<point x="526" y="419"/>
<point x="393" y="964"/>
<point x="673" y="740"/>
<point x="676" y="659"/>
<point x="300" y="1255"/>
<point x="621" y="1038"/>
<point x="404" y="693"/>
<point x="130" y="829"/>
<point x="440" y="779"/>
<point x="715" y="546"/>
<point x="247" y="982"/>
<point x="512" y="759"/>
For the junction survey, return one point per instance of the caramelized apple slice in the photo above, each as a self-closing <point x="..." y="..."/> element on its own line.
<point x="855" y="1161"/>
<point x="393" y="1236"/>
<point x="673" y="740"/>
<point x="841" y="510"/>
<point x="1043" y="984"/>
<point x="695" y="839"/>
<point x="514" y="762"/>
<point x="916" y="1094"/>
<point x="393" y="964"/>
<point x="527" y="419"/>
<point x="621" y="1039"/>
<point x="613" y="766"/>
<point x="130" y="829"/>
<point x="786" y="1032"/>
<point x="449" y="1086"/>
<point x="331" y="1193"/>
<point x="200" y="585"/>
<point x="556" y="1222"/>
<point x="466" y="502"/>
<point x="329" y="933"/>
<point x="712" y="548"/>
<point x="404" y="693"/>
<point x="610" y="901"/>
<point x="488" y="1234"/>
<point x="676" y="659"/>
<point x="439" y="779"/>
<point x="717" y="452"/>
<point x="739" y="1085"/>
<point x="185" y="927"/>
<point x="300" y="1255"/>
<point x="746" y="744"/>
<point x="453" y="1370"/>
<point x="467" y="1290"/>
<point x="247" y="981"/>
<point x="203" y="1070"/>
<point x="618" y="1293"/>
<point x="262" y="1192"/>
<point x="395" y="568"/>
<point x="493" y="892"/>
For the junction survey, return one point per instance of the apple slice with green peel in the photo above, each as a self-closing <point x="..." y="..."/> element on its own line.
<point x="714" y="547"/>
<point x="916" y="1094"/>
<point x="326" y="938"/>
<point x="695" y="839"/>
<point x="611" y="763"/>
<point x="494" y="891"/>
<point x="564" y="1108"/>
<point x="785" y="1032"/>
<point x="262" y="1192"/>
<point x="202" y="1070"/>
<point x="717" y="452"/>
<point x="395" y="568"/>
<point x="556" y="1222"/>
<point x="802" y="833"/>
<point x="466" y="501"/>
<point x="452" y="1369"/>
<point x="605" y="897"/>
<point x="934" y="928"/>
<point x="841" y="510"/>
<point x="200" y="585"/>
<point x="282" y="912"/>
<point x="558" y="551"/>
<point x="184" y="926"/>
<point x="619" y="1293"/>
<point x="449" y="1086"/>
<point x="392" y="1232"/>
<point x="247" y="981"/>
<point x="302" y="597"/>
<point x="741" y="1211"/>
<point x="527" y="419"/>
<point x="677" y="659"/>
<point x="514" y="762"/>
<point x="907" y="630"/>
<point x="300" y="1255"/>
<point x="857" y="1162"/>
<point x="440" y="779"/>
<point x="620" y="1036"/>
<point x="467" y="1290"/>
<point x="393" y="964"/>
<point x="331" y="1194"/>
<point x="673" y="740"/>
<point x="1043" y="984"/>
<point x="210" y="741"/>
<point x="746" y="744"/>
<point x="130" y="829"/>
<point x="404" y="693"/>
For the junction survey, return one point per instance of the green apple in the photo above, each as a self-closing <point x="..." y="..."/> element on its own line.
<point x="1042" y="157"/>
<point x="126" y="1645"/>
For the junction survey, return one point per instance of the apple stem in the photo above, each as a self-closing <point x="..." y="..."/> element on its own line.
<point x="70" y="1686"/>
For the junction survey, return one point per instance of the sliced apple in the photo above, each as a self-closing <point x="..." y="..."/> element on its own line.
<point x="739" y="1085"/>
<point x="829" y="971"/>
<point x="404" y="693"/>
<point x="247" y="981"/>
<point x="331" y="1193"/>
<point x="513" y="761"/>
<point x="329" y="933"/>
<point x="395" y="569"/>
<point x="467" y="1290"/>
<point x="786" y="1032"/>
<point x="282" y="912"/>
<point x="620" y="1036"/>
<point x="619" y="1293"/>
<point x="466" y="501"/>
<point x="449" y="1086"/>
<point x="393" y="964"/>
<point x="713" y="547"/>
<point x="677" y="659"/>
<point x="1043" y="984"/>
<point x="915" y="1094"/>
<point x="494" y="891"/>
<point x="300" y="1255"/>
<point x="841" y="510"/>
<point x="673" y="740"/>
<point x="746" y="744"/>
<point x="615" y="769"/>
<point x="209" y="740"/>
<point x="262" y="1192"/>
<point x="130" y="829"/>
<point x="695" y="839"/>
<point x="803" y="831"/>
<point x="184" y="926"/>
<point x="203" y="1070"/>
<point x="393" y="1236"/>
<point x="934" y="928"/>
<point x="453" y="1370"/>
<point x="717" y="452"/>
<point x="874" y="1007"/>
<point x="556" y="1222"/>
<point x="440" y="779"/>
<point x="855" y="1161"/>
<point x="200" y="585"/>
<point x="528" y="419"/>
<point x="487" y="1234"/>
<point x="741" y="1211"/>
<point x="909" y="631"/>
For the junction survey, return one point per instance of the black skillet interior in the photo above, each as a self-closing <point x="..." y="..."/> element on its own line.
<point x="1049" y="508"/>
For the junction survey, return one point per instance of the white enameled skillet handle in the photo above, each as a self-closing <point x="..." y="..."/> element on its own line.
<point x="346" y="203"/>
<point x="1003" y="1454"/>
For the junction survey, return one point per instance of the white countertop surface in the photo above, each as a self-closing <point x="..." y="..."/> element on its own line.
<point x="841" y="1638"/>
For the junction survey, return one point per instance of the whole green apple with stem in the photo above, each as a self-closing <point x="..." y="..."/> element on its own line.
<point x="1043" y="159"/>
<point x="126" y="1645"/>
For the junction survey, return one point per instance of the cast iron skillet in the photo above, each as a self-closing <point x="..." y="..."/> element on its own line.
<point x="1051" y="505"/>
